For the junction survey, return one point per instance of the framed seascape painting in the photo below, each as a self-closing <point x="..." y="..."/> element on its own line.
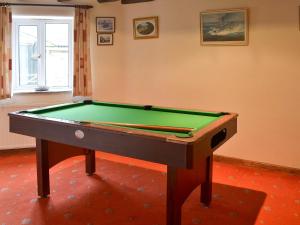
<point x="224" y="27"/>
<point x="146" y="27"/>
<point x="105" y="39"/>
<point x="105" y="24"/>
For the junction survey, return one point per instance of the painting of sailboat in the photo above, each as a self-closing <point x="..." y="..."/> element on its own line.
<point x="225" y="27"/>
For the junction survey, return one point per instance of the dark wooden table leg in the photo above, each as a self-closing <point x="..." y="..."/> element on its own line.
<point x="173" y="201"/>
<point x="42" y="168"/>
<point x="48" y="154"/>
<point x="180" y="184"/>
<point x="90" y="162"/>
<point x="206" y="187"/>
<point x="173" y="214"/>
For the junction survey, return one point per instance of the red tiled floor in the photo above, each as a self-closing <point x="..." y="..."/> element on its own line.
<point x="135" y="195"/>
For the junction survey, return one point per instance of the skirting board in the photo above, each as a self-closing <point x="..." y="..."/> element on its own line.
<point x="217" y="158"/>
<point x="16" y="147"/>
<point x="261" y="165"/>
<point x="16" y="151"/>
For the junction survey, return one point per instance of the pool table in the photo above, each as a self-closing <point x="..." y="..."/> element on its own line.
<point x="143" y="132"/>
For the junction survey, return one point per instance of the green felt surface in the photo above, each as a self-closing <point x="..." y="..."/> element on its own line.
<point x="130" y="114"/>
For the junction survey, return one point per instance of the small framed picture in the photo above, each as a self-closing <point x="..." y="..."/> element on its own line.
<point x="146" y="27"/>
<point x="105" y="39"/>
<point x="224" y="27"/>
<point x="105" y="24"/>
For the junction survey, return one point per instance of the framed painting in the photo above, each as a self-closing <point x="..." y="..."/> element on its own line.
<point x="105" y="24"/>
<point x="144" y="28"/>
<point x="224" y="27"/>
<point x="105" y="39"/>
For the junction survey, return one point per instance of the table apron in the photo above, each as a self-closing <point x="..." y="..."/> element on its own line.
<point x="151" y="149"/>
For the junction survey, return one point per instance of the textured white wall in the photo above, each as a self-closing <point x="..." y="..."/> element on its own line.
<point x="259" y="81"/>
<point x="20" y="102"/>
<point x="107" y="61"/>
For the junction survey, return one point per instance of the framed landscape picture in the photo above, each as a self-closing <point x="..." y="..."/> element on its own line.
<point x="146" y="27"/>
<point x="224" y="27"/>
<point x="105" y="24"/>
<point x="105" y="39"/>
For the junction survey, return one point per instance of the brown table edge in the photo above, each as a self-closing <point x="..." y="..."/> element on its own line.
<point x="167" y="137"/>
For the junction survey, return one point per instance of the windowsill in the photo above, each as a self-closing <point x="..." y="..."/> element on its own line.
<point x="31" y="98"/>
<point x="56" y="90"/>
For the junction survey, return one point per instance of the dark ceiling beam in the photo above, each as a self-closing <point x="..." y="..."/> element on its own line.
<point x="46" y="5"/>
<point x="124" y="1"/>
<point x="134" y="1"/>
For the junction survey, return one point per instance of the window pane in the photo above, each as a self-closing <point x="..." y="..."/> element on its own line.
<point x="57" y="55"/>
<point x="28" y="55"/>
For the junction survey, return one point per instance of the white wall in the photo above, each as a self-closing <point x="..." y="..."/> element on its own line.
<point x="21" y="102"/>
<point x="107" y="62"/>
<point x="259" y="81"/>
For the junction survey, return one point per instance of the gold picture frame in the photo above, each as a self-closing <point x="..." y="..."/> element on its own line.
<point x="224" y="27"/>
<point x="146" y="27"/>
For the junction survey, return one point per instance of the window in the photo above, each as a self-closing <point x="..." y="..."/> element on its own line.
<point x="42" y="54"/>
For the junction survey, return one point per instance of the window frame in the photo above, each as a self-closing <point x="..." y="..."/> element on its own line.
<point x="41" y="30"/>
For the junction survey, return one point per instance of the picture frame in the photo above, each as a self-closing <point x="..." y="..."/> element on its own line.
<point x="224" y="27"/>
<point x="105" y="39"/>
<point x="146" y="27"/>
<point x="105" y="24"/>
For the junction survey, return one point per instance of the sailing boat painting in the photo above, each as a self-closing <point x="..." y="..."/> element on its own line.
<point x="224" y="27"/>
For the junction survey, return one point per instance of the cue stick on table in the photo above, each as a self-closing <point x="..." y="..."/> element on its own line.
<point x="142" y="126"/>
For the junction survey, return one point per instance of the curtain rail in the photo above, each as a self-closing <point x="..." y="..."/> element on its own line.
<point x="46" y="5"/>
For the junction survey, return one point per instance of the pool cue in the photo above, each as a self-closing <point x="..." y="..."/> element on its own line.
<point x="142" y="126"/>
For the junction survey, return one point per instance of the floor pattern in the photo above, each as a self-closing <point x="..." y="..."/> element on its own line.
<point x="130" y="192"/>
